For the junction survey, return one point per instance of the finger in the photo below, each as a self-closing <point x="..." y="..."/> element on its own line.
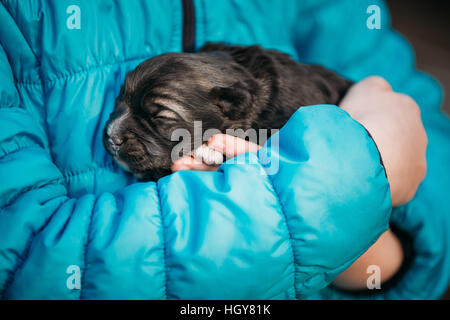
<point x="190" y="163"/>
<point x="231" y="146"/>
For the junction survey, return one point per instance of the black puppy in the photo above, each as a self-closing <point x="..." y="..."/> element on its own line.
<point x="224" y="87"/>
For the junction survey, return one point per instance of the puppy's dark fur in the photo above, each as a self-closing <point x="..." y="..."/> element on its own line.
<point x="226" y="87"/>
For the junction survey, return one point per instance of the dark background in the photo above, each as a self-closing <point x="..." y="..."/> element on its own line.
<point x="426" y="24"/>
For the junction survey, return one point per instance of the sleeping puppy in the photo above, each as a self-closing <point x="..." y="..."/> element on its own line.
<point x="224" y="87"/>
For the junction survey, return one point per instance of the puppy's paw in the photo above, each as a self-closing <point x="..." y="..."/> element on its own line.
<point x="207" y="155"/>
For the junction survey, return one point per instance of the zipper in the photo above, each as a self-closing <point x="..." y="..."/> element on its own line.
<point x="188" y="44"/>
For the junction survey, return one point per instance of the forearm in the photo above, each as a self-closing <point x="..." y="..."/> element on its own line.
<point x="386" y="253"/>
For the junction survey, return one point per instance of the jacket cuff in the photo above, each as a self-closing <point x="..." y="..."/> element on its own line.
<point x="333" y="191"/>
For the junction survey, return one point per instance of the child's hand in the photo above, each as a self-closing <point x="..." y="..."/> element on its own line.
<point x="227" y="145"/>
<point x="393" y="119"/>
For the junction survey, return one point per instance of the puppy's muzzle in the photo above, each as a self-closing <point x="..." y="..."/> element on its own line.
<point x="112" y="135"/>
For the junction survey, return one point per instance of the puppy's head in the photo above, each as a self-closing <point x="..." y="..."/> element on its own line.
<point x="170" y="92"/>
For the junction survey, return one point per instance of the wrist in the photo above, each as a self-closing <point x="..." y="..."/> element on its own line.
<point x="386" y="254"/>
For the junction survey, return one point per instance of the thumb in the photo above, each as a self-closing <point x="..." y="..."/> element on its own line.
<point x="231" y="146"/>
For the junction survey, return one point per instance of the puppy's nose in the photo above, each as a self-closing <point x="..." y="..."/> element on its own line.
<point x="113" y="133"/>
<point x="112" y="139"/>
<point x="115" y="141"/>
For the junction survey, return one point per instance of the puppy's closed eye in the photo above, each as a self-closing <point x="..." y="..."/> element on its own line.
<point x="169" y="108"/>
<point x="166" y="115"/>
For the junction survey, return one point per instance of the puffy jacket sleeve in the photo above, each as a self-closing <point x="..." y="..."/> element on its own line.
<point x="338" y="38"/>
<point x="236" y="233"/>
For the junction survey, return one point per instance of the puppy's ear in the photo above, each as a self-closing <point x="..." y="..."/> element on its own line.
<point x="333" y="86"/>
<point x="235" y="101"/>
<point x="253" y="58"/>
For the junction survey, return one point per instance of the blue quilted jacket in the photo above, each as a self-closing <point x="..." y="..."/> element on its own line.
<point x="73" y="225"/>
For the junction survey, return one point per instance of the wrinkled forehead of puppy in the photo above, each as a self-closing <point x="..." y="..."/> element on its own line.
<point x="182" y="71"/>
<point x="182" y="77"/>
